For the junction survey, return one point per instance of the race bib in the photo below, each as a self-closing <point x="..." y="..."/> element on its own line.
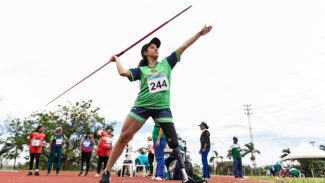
<point x="36" y="142"/>
<point x="86" y="143"/>
<point x="157" y="83"/>
<point x="108" y="140"/>
<point x="58" y="141"/>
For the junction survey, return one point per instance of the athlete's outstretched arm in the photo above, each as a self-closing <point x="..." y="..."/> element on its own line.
<point x="119" y="66"/>
<point x="189" y="42"/>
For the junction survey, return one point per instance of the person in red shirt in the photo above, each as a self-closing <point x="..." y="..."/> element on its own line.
<point x="36" y="140"/>
<point x="86" y="147"/>
<point x="104" y="148"/>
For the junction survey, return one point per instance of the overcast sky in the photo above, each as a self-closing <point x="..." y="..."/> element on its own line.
<point x="270" y="54"/>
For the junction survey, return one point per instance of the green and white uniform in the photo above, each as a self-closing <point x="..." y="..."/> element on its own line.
<point x="235" y="150"/>
<point x="155" y="83"/>
<point x="154" y="96"/>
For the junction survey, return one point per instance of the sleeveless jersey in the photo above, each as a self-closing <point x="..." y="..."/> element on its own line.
<point x="36" y="142"/>
<point x="86" y="145"/>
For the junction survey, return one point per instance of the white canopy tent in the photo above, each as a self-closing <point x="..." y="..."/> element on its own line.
<point x="305" y="151"/>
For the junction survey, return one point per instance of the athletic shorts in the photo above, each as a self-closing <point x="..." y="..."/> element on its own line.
<point x="158" y="115"/>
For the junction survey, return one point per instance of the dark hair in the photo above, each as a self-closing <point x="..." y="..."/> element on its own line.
<point x="88" y="133"/>
<point x="235" y="139"/>
<point x="143" y="62"/>
<point x="109" y="127"/>
<point x="38" y="127"/>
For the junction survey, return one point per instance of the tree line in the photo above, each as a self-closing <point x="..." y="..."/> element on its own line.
<point x="75" y="119"/>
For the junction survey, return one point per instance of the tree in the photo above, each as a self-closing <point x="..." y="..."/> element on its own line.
<point x="214" y="159"/>
<point x="15" y="140"/>
<point x="285" y="152"/>
<point x="75" y="119"/>
<point x="250" y="149"/>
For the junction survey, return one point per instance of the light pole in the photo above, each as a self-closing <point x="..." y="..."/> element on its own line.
<point x="248" y="112"/>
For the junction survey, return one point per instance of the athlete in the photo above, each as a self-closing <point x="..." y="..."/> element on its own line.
<point x="87" y="144"/>
<point x="36" y="141"/>
<point x="153" y="99"/>
<point x="55" y="149"/>
<point x="104" y="148"/>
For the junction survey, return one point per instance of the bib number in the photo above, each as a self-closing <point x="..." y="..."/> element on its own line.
<point x="36" y="142"/>
<point x="157" y="83"/>
<point x="86" y="143"/>
<point x="108" y="140"/>
<point x="58" y="141"/>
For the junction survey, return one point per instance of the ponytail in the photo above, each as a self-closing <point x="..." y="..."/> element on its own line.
<point x="143" y="62"/>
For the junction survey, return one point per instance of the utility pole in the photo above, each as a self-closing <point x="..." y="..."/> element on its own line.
<point x="248" y="112"/>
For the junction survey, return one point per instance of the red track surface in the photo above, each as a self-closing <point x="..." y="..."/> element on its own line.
<point x="72" y="177"/>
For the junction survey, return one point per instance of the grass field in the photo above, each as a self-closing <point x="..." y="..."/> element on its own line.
<point x="289" y="180"/>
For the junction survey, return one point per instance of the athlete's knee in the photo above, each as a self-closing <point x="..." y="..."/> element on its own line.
<point x="125" y="137"/>
<point x="172" y="143"/>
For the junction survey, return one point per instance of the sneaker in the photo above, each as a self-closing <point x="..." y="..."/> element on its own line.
<point x="158" y="178"/>
<point x="190" y="180"/>
<point x="106" y="177"/>
<point x="97" y="175"/>
<point x="36" y="173"/>
<point x="30" y="173"/>
<point x="80" y="173"/>
<point x="86" y="174"/>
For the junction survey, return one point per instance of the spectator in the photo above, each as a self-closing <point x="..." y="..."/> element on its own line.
<point x="205" y="149"/>
<point x="237" y="161"/>
<point x="159" y="144"/>
<point x="151" y="154"/>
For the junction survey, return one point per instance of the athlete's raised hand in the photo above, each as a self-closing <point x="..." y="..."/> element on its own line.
<point x="205" y="30"/>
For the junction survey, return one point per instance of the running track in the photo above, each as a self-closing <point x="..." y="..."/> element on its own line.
<point x="72" y="177"/>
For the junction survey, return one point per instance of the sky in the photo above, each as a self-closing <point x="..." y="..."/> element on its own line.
<point x="270" y="54"/>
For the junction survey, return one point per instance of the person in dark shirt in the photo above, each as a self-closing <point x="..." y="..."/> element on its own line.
<point x="205" y="149"/>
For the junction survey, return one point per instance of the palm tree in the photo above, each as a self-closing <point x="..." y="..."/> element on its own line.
<point x="214" y="159"/>
<point x="249" y="149"/>
<point x="285" y="152"/>
<point x="322" y="147"/>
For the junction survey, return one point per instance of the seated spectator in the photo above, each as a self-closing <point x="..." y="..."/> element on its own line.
<point x="294" y="172"/>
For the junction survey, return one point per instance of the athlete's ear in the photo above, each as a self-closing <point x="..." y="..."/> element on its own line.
<point x="145" y="53"/>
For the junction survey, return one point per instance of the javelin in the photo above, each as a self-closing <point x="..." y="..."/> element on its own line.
<point x="119" y="54"/>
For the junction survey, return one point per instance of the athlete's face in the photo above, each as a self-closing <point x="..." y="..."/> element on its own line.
<point x="109" y="131"/>
<point x="40" y="130"/>
<point x="152" y="51"/>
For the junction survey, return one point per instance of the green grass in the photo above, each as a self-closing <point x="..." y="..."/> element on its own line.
<point x="289" y="180"/>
